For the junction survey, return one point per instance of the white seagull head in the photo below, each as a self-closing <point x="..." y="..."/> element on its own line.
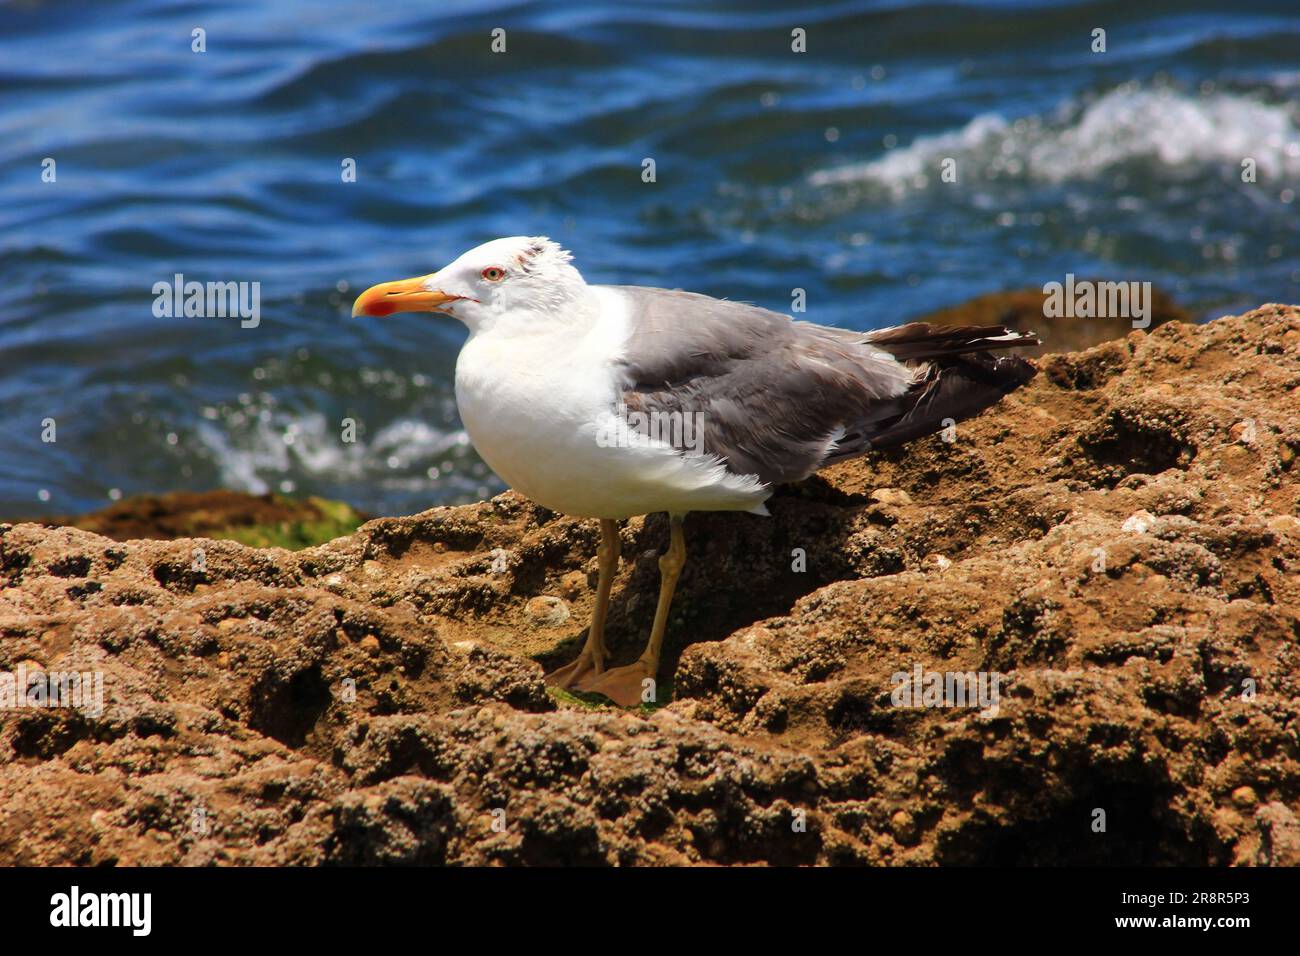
<point x="495" y="285"/>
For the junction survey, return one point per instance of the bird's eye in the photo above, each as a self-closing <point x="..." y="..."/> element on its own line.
<point x="494" y="273"/>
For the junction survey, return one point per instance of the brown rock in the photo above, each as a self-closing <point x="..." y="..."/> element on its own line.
<point x="186" y="514"/>
<point x="891" y="496"/>
<point x="547" y="611"/>
<point x="1279" y="835"/>
<point x="1121" y="658"/>
<point x="573" y="585"/>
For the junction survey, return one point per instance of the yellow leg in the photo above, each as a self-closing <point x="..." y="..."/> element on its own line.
<point x="591" y="659"/>
<point x="627" y="686"/>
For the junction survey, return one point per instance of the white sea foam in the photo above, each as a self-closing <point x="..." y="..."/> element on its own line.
<point x="269" y="447"/>
<point x="1175" y="132"/>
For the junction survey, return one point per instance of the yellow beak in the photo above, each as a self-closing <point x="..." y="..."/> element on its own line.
<point x="404" y="295"/>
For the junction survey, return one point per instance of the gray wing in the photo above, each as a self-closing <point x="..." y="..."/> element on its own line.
<point x="780" y="399"/>
<point x="769" y="396"/>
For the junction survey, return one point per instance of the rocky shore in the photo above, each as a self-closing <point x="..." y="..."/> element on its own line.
<point x="1118" y="543"/>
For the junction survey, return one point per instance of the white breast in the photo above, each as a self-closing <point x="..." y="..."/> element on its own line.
<point x="540" y="409"/>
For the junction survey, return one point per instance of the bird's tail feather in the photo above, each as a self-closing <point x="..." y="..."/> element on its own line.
<point x="923" y="342"/>
<point x="957" y="379"/>
<point x="950" y="392"/>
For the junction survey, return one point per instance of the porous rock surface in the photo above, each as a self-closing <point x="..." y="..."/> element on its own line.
<point x="1119" y="541"/>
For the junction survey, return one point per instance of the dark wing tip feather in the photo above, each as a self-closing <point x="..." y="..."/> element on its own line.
<point x="961" y="379"/>
<point x="953" y="391"/>
<point x="922" y="341"/>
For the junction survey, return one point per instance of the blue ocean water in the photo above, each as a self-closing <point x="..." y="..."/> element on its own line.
<point x="774" y="170"/>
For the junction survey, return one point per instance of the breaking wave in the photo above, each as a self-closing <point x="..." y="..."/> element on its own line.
<point x="296" y="452"/>
<point x="1176" y="133"/>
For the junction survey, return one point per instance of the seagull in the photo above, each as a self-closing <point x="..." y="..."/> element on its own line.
<point x="608" y="401"/>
